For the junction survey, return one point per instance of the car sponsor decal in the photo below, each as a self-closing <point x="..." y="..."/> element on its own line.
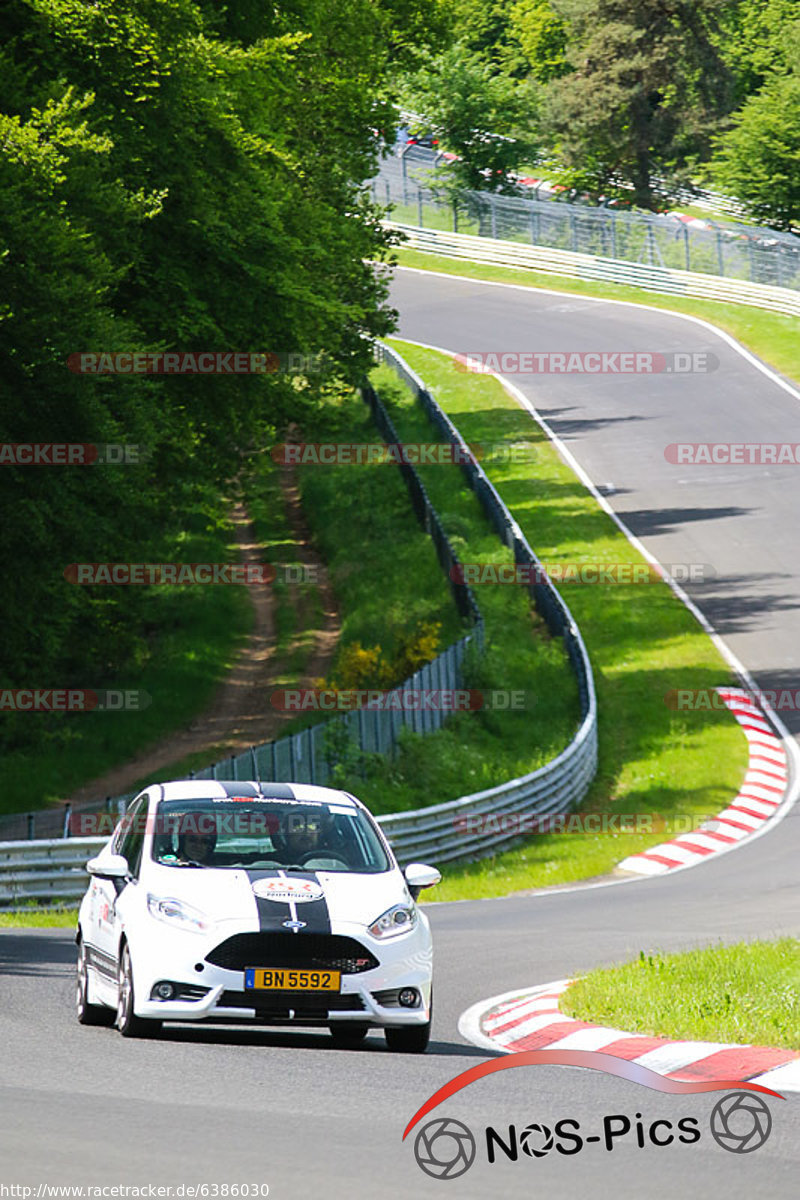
<point x="273" y="913"/>
<point x="301" y="891"/>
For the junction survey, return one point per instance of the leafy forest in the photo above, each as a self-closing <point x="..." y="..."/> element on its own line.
<point x="182" y="174"/>
<point x="621" y="97"/>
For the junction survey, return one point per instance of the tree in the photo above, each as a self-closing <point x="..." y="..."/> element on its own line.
<point x="759" y="40"/>
<point x="543" y="36"/>
<point x="758" y="160"/>
<point x="648" y="85"/>
<point x="482" y="116"/>
<point x="175" y="175"/>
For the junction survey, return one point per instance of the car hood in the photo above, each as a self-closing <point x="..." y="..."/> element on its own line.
<point x="320" y="898"/>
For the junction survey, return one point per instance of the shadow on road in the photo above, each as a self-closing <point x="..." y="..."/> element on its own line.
<point x="308" y="1040"/>
<point x="36" y="952"/>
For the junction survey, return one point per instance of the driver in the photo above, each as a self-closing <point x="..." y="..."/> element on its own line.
<point x="197" y="846"/>
<point x="304" y="833"/>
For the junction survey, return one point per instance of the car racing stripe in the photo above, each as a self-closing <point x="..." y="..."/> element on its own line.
<point x="272" y="914"/>
<point x="254" y="791"/>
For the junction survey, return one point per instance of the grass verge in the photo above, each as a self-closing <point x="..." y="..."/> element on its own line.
<point x="46" y="918"/>
<point x="532" y="708"/>
<point x="389" y="585"/>
<point x="770" y="336"/>
<point x="654" y="763"/>
<point x="745" y="993"/>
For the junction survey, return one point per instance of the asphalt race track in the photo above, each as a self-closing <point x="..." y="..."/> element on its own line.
<point x="229" y="1107"/>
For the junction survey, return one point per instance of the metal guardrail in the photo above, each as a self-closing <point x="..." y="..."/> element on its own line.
<point x="741" y="252"/>
<point x="499" y="252"/>
<point x="470" y="826"/>
<point x="33" y="872"/>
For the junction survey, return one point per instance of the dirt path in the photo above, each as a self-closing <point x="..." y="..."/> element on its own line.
<point x="241" y="715"/>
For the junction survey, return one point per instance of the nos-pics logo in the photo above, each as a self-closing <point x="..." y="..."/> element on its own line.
<point x="446" y="1148"/>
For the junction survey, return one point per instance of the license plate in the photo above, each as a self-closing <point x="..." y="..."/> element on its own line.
<point x="289" y="979"/>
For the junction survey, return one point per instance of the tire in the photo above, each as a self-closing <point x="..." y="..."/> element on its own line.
<point x="88" y="1014"/>
<point x="127" y="1022"/>
<point x="348" y="1034"/>
<point x="408" y="1039"/>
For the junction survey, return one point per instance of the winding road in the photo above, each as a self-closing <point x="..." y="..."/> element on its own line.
<point x="83" y="1106"/>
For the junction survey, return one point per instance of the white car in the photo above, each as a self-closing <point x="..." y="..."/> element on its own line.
<point x="265" y="902"/>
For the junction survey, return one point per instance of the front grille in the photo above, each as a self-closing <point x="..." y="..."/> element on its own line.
<point x="314" y="951"/>
<point x="277" y="1004"/>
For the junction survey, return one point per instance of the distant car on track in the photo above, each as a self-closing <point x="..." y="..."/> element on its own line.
<point x="255" y="902"/>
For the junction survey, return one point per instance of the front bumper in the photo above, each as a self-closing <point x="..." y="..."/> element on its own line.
<point x="366" y="997"/>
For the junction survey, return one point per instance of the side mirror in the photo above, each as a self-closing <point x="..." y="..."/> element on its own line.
<point x="110" y="866"/>
<point x="419" y="876"/>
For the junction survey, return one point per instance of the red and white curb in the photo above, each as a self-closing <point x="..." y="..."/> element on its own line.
<point x="530" y="1019"/>
<point x="759" y="798"/>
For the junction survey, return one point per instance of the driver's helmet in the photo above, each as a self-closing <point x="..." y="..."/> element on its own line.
<point x="197" y="838"/>
<point x="303" y="830"/>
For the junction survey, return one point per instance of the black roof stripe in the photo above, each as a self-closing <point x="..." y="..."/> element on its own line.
<point x="276" y="791"/>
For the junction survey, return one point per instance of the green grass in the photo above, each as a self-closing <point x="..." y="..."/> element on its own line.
<point x="642" y="643"/>
<point x="297" y="609"/>
<point x="481" y="749"/>
<point x="193" y="635"/>
<point x="770" y="336"/>
<point x="744" y="993"/>
<point x="46" y="918"/>
<point x="383" y="566"/>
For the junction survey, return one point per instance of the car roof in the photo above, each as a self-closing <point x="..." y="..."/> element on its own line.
<point x="218" y="789"/>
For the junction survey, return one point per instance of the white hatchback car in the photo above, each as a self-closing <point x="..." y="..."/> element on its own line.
<point x="268" y="902"/>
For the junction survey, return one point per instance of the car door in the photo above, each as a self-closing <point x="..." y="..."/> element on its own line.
<point x="110" y="898"/>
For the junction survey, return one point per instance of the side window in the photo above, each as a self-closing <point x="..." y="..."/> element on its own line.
<point x="129" y="845"/>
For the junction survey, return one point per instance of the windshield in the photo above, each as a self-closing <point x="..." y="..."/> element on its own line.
<point x="235" y="833"/>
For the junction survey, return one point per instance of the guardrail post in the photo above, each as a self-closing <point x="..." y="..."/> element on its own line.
<point x="494" y="216"/>
<point x="455" y="216"/>
<point x="67" y="815"/>
<point x="686" y="247"/>
<point x="419" y="208"/>
<point x="31" y="827"/>
<point x="719" y="253"/>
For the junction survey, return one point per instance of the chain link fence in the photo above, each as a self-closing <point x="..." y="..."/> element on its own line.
<point x="408" y="183"/>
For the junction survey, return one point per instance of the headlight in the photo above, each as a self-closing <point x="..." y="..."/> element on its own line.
<point x="400" y="919"/>
<point x="175" y="912"/>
